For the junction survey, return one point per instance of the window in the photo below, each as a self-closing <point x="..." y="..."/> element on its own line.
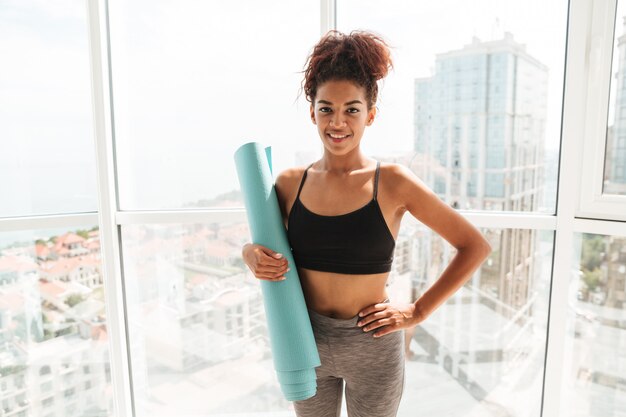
<point x="48" y="204"/>
<point x="476" y="112"/>
<point x="219" y="58"/>
<point x="614" y="181"/>
<point x="214" y="68"/>
<point x="593" y="369"/>
<point x="45" y="110"/>
<point x="603" y="157"/>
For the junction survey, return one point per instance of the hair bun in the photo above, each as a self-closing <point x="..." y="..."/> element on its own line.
<point x="361" y="56"/>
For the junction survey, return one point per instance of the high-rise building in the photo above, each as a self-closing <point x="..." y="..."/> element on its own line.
<point x="480" y="136"/>
<point x="481" y="118"/>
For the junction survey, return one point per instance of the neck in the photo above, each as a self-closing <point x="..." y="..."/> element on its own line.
<point x="342" y="164"/>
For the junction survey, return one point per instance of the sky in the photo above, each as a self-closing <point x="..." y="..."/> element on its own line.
<point x="194" y="80"/>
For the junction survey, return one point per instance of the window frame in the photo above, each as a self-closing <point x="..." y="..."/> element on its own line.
<point x="580" y="205"/>
<point x="592" y="203"/>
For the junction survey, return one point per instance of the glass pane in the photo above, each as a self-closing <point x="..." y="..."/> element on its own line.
<point x="198" y="336"/>
<point x="483" y="350"/>
<point x="54" y="354"/>
<point x="199" y="341"/>
<point x="615" y="156"/>
<point x="192" y="81"/>
<point x="473" y="106"/>
<point x="595" y="366"/>
<point x="47" y="159"/>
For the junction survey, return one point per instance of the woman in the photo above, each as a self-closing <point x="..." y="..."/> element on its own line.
<point x="343" y="214"/>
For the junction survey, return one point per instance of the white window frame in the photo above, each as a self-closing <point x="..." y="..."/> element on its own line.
<point x="580" y="206"/>
<point x="592" y="202"/>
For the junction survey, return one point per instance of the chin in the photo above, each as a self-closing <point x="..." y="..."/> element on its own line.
<point x="342" y="151"/>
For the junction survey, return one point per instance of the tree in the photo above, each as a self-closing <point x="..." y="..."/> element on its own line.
<point x="593" y="250"/>
<point x="592" y="278"/>
<point x="74" y="299"/>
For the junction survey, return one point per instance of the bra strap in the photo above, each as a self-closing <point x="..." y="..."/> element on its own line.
<point x="302" y="181"/>
<point x="376" y="179"/>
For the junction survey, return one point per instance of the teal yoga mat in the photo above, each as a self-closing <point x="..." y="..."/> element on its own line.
<point x="291" y="336"/>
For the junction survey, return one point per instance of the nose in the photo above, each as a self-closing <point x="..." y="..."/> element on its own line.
<point x="337" y="120"/>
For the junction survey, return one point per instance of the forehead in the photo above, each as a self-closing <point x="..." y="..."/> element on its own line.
<point x="340" y="91"/>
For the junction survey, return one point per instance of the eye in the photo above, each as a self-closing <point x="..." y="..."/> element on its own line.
<point x="324" y="109"/>
<point x="353" y="110"/>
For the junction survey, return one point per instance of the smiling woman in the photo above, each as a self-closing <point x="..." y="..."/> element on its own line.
<point x="338" y="115"/>
<point x="342" y="228"/>
<point x="340" y="82"/>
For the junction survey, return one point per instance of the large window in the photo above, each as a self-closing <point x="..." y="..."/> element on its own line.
<point x="192" y="81"/>
<point x="595" y="367"/>
<point x="54" y="335"/>
<point x="47" y="163"/>
<point x="197" y="317"/>
<point x="481" y="128"/>
<point x="122" y="288"/>
<point x="54" y="344"/>
<point x="481" y="125"/>
<point x="199" y="341"/>
<point x="486" y="344"/>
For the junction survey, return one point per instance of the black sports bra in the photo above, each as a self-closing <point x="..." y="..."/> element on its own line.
<point x="358" y="242"/>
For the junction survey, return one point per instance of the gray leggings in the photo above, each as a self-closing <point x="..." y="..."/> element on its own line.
<point x="373" y="369"/>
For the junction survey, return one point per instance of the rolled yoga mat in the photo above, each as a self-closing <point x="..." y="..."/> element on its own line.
<point x="291" y="337"/>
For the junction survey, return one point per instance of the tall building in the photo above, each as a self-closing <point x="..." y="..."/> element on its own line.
<point x="480" y="136"/>
<point x="481" y="118"/>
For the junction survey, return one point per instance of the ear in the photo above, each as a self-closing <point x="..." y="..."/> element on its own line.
<point x="312" y="110"/>
<point x="371" y="115"/>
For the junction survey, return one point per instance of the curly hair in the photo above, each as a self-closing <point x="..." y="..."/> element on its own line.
<point x="361" y="57"/>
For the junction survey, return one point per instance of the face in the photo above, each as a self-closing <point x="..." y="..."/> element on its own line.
<point x="341" y="115"/>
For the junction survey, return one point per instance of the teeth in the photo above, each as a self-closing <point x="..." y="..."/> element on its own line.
<point x="338" y="136"/>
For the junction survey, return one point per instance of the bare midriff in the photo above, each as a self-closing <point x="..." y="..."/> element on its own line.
<point x="341" y="296"/>
<point x="334" y="294"/>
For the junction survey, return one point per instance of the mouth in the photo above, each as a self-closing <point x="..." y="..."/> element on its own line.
<point x="337" y="137"/>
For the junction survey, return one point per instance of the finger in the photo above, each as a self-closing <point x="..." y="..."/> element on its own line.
<point x="271" y="269"/>
<point x="377" y="324"/>
<point x="372" y="308"/>
<point x="372" y="317"/>
<point x="269" y="275"/>
<point x="269" y="251"/>
<point x="366" y="320"/>
<point x="276" y="274"/>
<point x="271" y="260"/>
<point x="271" y="278"/>
<point x="271" y="266"/>
<point x="274" y="255"/>
<point x="383" y="332"/>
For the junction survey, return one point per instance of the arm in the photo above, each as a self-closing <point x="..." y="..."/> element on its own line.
<point x="472" y="247"/>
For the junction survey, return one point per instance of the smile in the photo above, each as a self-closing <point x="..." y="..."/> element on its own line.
<point x="337" y="138"/>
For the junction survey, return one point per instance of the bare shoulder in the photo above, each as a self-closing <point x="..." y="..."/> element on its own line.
<point x="286" y="185"/>
<point x="425" y="205"/>
<point x="287" y="179"/>
<point x="404" y="183"/>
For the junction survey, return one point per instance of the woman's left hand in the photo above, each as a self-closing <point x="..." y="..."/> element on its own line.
<point x="394" y="316"/>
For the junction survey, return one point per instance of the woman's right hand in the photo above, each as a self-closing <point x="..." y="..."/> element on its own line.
<point x="264" y="263"/>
